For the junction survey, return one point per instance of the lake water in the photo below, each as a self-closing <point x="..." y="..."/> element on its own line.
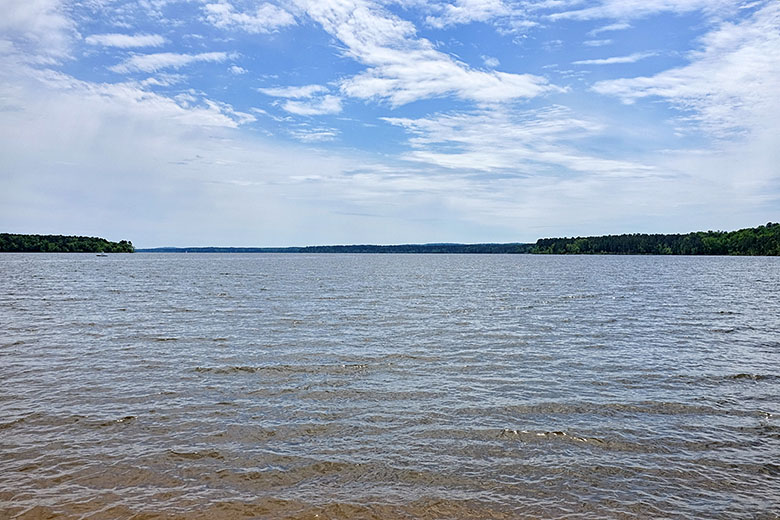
<point x="389" y="386"/>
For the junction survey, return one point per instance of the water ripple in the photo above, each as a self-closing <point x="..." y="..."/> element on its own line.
<point x="389" y="387"/>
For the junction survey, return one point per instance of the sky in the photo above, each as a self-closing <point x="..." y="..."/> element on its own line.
<point x="305" y="122"/>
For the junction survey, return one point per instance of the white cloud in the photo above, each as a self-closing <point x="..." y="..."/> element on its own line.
<point x="40" y="29"/>
<point x="403" y="68"/>
<point x="620" y="26"/>
<point x="118" y="161"/>
<point x="530" y="168"/>
<point x="236" y="70"/>
<point x="266" y="18"/>
<point x="239" y="118"/>
<point x="325" y="105"/>
<point x="633" y="9"/>
<point x="164" y="60"/>
<point x="494" y="140"/>
<point x="304" y="91"/>
<point x="490" y="61"/>
<point x="125" y="41"/>
<point x="467" y="11"/>
<point x="317" y="101"/>
<point x="596" y="43"/>
<point x="631" y="58"/>
<point x="143" y="167"/>
<point x="315" y="135"/>
<point x="507" y="16"/>
<point x="163" y="80"/>
<point x="731" y="83"/>
<point x="131" y="97"/>
<point x="155" y="169"/>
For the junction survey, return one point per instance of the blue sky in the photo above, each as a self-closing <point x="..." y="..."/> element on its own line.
<point x="251" y="123"/>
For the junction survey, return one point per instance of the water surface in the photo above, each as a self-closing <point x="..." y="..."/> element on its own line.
<point x="389" y="386"/>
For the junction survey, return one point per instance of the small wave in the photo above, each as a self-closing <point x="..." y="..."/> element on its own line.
<point x="583" y="296"/>
<point x="763" y="430"/>
<point x="585" y="407"/>
<point x="753" y="377"/>
<point x="664" y="408"/>
<point x="291" y="321"/>
<point x="355" y="366"/>
<point x="38" y="418"/>
<point x="122" y="420"/>
<point x="531" y="434"/>
<point x="11" y="424"/>
<point x="195" y="455"/>
<point x="615" y="443"/>
<point x="285" y="369"/>
<point x="723" y="330"/>
<point x="228" y="370"/>
<point x="770" y="469"/>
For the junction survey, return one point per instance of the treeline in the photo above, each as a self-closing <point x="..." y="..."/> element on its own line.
<point x="405" y="248"/>
<point x="10" y="243"/>
<point x="759" y="241"/>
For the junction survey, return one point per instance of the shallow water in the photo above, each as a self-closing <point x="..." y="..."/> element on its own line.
<point x="389" y="386"/>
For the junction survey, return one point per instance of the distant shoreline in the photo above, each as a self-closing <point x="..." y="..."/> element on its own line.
<point x="513" y="248"/>
<point x="759" y="241"/>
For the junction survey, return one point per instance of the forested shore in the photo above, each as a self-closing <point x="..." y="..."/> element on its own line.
<point x="13" y="243"/>
<point x="758" y="241"/>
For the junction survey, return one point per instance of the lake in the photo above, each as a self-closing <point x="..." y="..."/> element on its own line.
<point x="389" y="386"/>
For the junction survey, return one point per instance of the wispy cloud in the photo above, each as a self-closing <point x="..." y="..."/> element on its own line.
<point x="163" y="80"/>
<point x="41" y="29"/>
<point x="731" y="83"/>
<point x="596" y="43"/>
<point x="125" y="41"/>
<point x="265" y="18"/>
<point x="631" y="58"/>
<point x="491" y="61"/>
<point x="315" y="135"/>
<point x="317" y="100"/>
<point x="523" y="143"/>
<point x="467" y="11"/>
<point x="620" y="26"/>
<point x="403" y="68"/>
<point x="317" y="107"/>
<point x="632" y="9"/>
<point x="165" y="60"/>
<point x="304" y="91"/>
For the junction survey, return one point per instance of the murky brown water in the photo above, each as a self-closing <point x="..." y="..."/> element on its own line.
<point x="389" y="386"/>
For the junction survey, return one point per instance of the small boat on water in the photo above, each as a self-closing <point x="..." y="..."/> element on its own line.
<point x="101" y="254"/>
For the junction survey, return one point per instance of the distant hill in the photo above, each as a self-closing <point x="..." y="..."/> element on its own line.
<point x="10" y="243"/>
<point x="513" y="248"/>
<point x="759" y="241"/>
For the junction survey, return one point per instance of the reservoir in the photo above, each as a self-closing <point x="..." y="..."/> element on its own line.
<point x="389" y="386"/>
